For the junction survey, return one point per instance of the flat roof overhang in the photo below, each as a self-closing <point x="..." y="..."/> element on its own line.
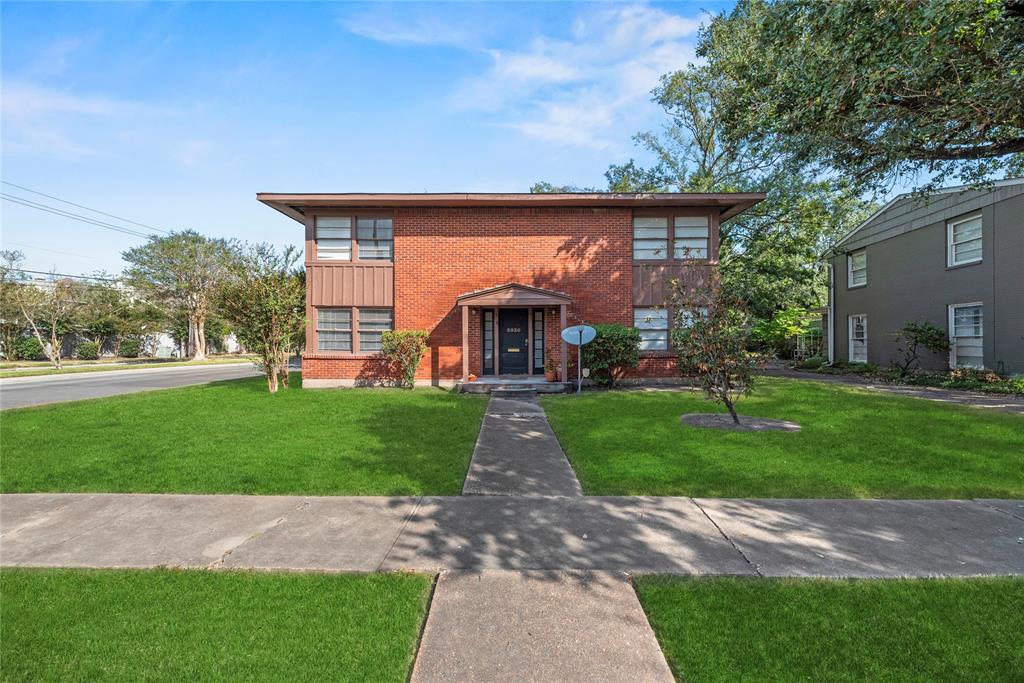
<point x="728" y="203"/>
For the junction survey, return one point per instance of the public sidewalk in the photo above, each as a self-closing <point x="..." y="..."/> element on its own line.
<point x="837" y="538"/>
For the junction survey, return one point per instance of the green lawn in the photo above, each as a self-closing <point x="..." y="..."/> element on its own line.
<point x="731" y="629"/>
<point x="234" y="437"/>
<point x="209" y="626"/>
<point x="854" y="444"/>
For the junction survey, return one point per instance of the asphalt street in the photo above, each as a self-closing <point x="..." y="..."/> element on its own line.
<point x="19" y="392"/>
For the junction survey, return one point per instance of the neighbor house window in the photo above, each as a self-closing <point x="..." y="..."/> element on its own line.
<point x="963" y="239"/>
<point x="334" y="239"/>
<point x="650" y="239"/>
<point x="653" y="326"/>
<point x="375" y="238"/>
<point x="858" y="338"/>
<point x="334" y="329"/>
<point x="691" y="237"/>
<point x="858" y="268"/>
<point x="965" y="331"/>
<point x="372" y="324"/>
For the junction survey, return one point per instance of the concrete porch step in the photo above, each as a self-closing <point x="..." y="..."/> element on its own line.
<point x="510" y="388"/>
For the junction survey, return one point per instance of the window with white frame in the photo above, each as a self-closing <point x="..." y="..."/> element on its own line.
<point x="966" y="336"/>
<point x="650" y="238"/>
<point x="375" y="238"/>
<point x="691" y="237"/>
<point x="653" y="326"/>
<point x="334" y="329"/>
<point x="963" y="241"/>
<point x="858" y="338"/>
<point x="858" y="268"/>
<point x="334" y="239"/>
<point x="372" y="324"/>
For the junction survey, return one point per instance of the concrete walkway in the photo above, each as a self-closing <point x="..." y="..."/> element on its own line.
<point x="517" y="454"/>
<point x="975" y="399"/>
<point x="537" y="626"/>
<point x="855" y="538"/>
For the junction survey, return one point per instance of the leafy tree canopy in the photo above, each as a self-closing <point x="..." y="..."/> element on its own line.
<point x="875" y="89"/>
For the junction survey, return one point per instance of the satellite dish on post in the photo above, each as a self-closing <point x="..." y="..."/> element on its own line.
<point x="578" y="335"/>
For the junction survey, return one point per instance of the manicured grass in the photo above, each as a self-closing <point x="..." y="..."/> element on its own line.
<point x="76" y="367"/>
<point x="234" y="437"/>
<point x="730" y="629"/>
<point x="854" y="444"/>
<point x="209" y="626"/>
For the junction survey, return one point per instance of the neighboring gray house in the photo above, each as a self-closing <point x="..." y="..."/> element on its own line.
<point x="954" y="259"/>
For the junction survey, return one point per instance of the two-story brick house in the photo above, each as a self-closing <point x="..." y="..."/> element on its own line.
<point x="493" y="277"/>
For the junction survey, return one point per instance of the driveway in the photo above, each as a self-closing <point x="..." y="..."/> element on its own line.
<point x="19" y="392"/>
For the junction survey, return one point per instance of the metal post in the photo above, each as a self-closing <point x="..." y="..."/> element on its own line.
<point x="579" y="364"/>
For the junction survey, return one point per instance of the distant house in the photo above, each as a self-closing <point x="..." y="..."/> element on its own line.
<point x="954" y="258"/>
<point x="494" y="277"/>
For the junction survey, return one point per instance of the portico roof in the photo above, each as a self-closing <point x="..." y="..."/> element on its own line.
<point x="513" y="294"/>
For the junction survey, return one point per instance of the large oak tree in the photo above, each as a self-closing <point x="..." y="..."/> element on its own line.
<point x="876" y="90"/>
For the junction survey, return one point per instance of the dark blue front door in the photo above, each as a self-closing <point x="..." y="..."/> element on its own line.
<point x="513" y="341"/>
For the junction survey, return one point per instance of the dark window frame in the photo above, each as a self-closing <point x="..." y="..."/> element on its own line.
<point x="354" y="218"/>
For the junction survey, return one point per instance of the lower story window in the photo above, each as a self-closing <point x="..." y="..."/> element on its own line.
<point x="858" y="338"/>
<point x="653" y="326"/>
<point x="372" y="324"/>
<point x="966" y="336"/>
<point x="334" y="329"/>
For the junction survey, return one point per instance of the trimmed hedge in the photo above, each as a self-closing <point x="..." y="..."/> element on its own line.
<point x="615" y="349"/>
<point x="130" y="348"/>
<point x="88" y="351"/>
<point x="29" y="348"/>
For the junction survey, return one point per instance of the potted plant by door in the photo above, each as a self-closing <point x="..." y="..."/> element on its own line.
<point x="550" y="370"/>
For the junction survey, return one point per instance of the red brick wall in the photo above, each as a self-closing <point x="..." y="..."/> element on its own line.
<point x="441" y="253"/>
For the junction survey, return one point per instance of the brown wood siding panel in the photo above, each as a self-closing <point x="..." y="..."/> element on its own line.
<point x="650" y="282"/>
<point x="352" y="285"/>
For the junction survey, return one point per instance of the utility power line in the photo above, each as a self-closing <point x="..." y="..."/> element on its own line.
<point x="72" y="216"/>
<point x="73" y="277"/>
<point x="82" y="206"/>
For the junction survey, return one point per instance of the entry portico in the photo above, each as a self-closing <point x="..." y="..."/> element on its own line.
<point x="505" y="310"/>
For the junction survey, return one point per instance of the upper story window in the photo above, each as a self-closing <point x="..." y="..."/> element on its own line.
<point x="963" y="241"/>
<point x="650" y="239"/>
<point x="334" y="239"/>
<point x="857" y="273"/>
<point x="691" y="237"/>
<point x="375" y="238"/>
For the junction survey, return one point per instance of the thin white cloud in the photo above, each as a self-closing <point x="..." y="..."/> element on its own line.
<point x="583" y="91"/>
<point x="580" y="90"/>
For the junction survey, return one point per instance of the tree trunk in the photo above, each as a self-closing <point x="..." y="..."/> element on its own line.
<point x="197" y="337"/>
<point x="55" y="350"/>
<point x="272" y="380"/>
<point x="732" y="411"/>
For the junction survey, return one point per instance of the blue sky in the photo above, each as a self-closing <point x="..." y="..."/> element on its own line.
<point x="175" y="115"/>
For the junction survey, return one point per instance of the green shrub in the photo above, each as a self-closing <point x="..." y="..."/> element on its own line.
<point x="812" y="363"/>
<point x="130" y="347"/>
<point x="88" y="351"/>
<point x="912" y="336"/>
<point x="29" y="348"/>
<point x="773" y="335"/>
<point x="615" y="348"/>
<point x="403" y="350"/>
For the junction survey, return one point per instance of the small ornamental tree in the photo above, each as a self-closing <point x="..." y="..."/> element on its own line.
<point x="614" y="349"/>
<point x="264" y="298"/>
<point x="711" y="333"/>
<point x="916" y="335"/>
<point x="403" y="350"/>
<point x="50" y="309"/>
